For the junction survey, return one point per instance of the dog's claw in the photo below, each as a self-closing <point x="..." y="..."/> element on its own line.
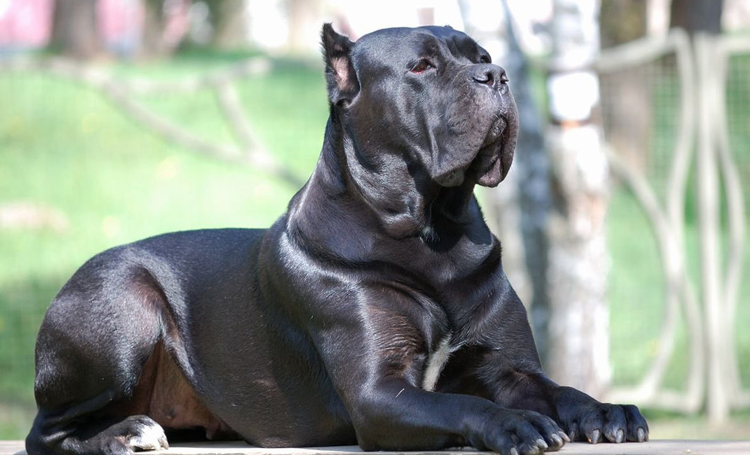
<point x="641" y="434"/>
<point x="541" y="444"/>
<point x="595" y="435"/>
<point x="558" y="440"/>
<point x="163" y="442"/>
<point x="564" y="436"/>
<point x="513" y="451"/>
<point x="620" y="436"/>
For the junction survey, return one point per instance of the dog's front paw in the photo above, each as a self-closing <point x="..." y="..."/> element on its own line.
<point x="606" y="422"/>
<point x="512" y="432"/>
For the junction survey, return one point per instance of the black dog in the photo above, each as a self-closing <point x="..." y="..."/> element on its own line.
<point x="375" y="311"/>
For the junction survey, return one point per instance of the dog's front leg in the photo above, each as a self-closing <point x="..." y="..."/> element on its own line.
<point x="376" y="353"/>
<point x="512" y="374"/>
<point x="394" y="415"/>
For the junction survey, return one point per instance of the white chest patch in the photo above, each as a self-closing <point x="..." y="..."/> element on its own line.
<point x="436" y="362"/>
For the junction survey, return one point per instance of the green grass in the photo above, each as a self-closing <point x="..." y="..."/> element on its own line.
<point x="637" y="298"/>
<point x="64" y="147"/>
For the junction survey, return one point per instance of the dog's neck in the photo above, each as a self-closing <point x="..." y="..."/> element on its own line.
<point x="399" y="195"/>
<point x="332" y="215"/>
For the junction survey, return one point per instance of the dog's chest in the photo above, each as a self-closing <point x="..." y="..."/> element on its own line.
<point x="436" y="362"/>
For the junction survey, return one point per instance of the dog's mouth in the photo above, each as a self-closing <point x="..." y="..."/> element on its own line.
<point x="492" y="163"/>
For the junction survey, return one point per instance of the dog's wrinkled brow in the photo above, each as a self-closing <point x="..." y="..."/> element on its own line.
<point x="459" y="46"/>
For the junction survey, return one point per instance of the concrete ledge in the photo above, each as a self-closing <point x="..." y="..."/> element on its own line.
<point x="659" y="447"/>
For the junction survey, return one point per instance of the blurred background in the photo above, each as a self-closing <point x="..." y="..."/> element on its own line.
<point x="622" y="221"/>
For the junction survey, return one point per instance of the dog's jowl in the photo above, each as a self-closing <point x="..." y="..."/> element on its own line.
<point x="374" y="312"/>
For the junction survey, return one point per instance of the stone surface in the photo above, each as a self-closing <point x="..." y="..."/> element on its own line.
<point x="659" y="447"/>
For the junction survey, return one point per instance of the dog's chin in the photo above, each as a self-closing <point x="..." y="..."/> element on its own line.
<point x="494" y="158"/>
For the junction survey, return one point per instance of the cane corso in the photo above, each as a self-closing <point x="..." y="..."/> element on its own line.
<point x="374" y="312"/>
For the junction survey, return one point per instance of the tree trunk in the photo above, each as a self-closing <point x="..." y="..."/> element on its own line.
<point x="228" y="18"/>
<point x="75" y="30"/>
<point x="697" y="15"/>
<point x="153" y="44"/>
<point x="627" y="116"/>
<point x="532" y="177"/>
<point x="622" y="21"/>
<point x="578" y="259"/>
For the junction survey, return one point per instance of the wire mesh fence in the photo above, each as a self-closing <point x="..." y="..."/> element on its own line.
<point x="738" y="131"/>
<point x="681" y="155"/>
<point x="640" y="106"/>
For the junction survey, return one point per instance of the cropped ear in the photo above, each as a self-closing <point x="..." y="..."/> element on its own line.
<point x="341" y="79"/>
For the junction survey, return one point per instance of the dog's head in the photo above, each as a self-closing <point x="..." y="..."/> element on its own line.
<point x="429" y="96"/>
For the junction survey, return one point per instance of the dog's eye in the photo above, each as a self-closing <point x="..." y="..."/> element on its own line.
<point x="485" y="59"/>
<point x="421" y="66"/>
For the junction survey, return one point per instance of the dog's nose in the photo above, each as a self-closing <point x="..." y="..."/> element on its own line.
<point x="491" y="75"/>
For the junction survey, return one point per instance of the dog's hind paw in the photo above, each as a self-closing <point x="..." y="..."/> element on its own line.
<point x="146" y="434"/>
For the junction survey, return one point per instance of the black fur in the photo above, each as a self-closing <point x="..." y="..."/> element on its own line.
<point x="320" y="330"/>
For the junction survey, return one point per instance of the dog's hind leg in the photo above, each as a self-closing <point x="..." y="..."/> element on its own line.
<point x="97" y="336"/>
<point x="106" y="436"/>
